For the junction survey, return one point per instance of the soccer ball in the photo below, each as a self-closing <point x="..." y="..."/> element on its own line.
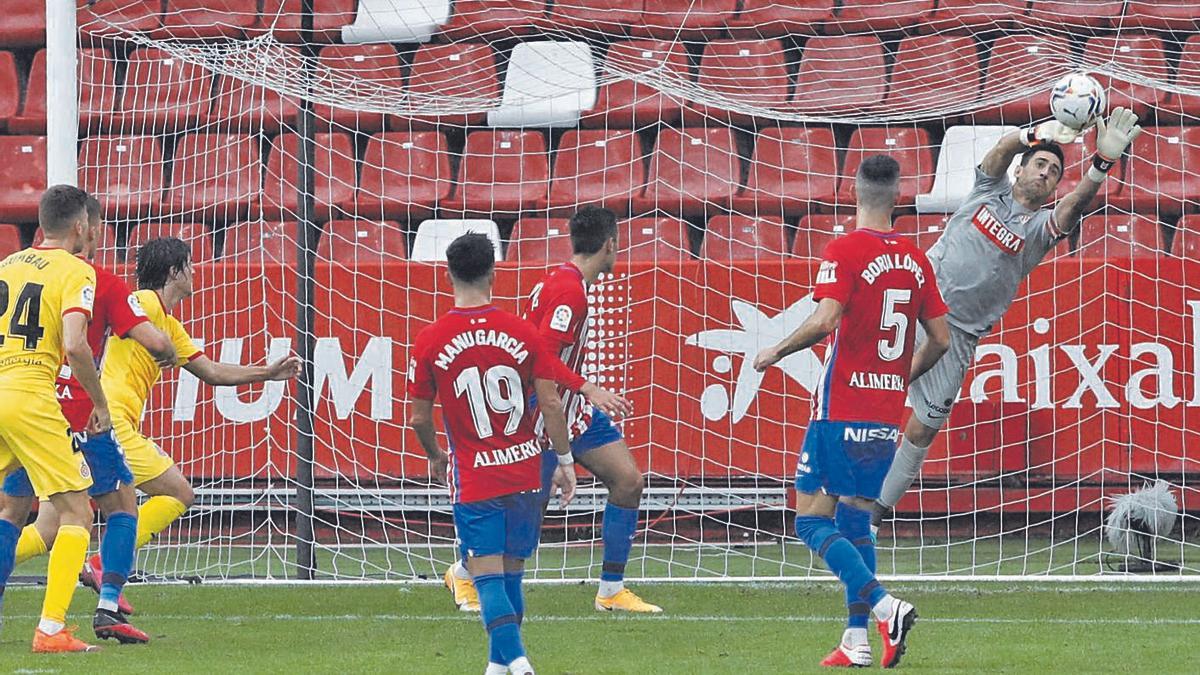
<point x="1077" y="100"/>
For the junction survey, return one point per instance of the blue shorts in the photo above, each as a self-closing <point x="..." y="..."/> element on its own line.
<point x="599" y="433"/>
<point x="507" y="525"/>
<point x="847" y="459"/>
<point x="104" y="458"/>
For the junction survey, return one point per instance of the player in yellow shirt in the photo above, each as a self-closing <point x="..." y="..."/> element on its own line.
<point x="164" y="275"/>
<point x="46" y="296"/>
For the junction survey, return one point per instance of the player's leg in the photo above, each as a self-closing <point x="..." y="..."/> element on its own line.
<point x="458" y="580"/>
<point x="66" y="559"/>
<point x="14" y="511"/>
<point x="524" y="524"/>
<point x="37" y="537"/>
<point x="112" y="488"/>
<point x="482" y="526"/>
<point x="170" y="497"/>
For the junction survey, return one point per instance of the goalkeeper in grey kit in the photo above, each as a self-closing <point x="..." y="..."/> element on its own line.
<point x="991" y="243"/>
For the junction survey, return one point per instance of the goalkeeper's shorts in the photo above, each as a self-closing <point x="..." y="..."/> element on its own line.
<point x="934" y="393"/>
<point x="847" y="459"/>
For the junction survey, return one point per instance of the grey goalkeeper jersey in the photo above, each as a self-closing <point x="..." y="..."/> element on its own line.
<point x="990" y="244"/>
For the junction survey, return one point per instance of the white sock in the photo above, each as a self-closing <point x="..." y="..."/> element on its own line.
<point x="520" y="666"/>
<point x="496" y="669"/>
<point x="50" y="627"/>
<point x="610" y="588"/>
<point x="883" y="609"/>
<point x="459" y="571"/>
<point x="108" y="605"/>
<point x="905" y="467"/>
<point x="853" y="637"/>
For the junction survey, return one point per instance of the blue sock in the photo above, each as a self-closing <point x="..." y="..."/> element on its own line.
<point x="9" y="534"/>
<point x="617" y="532"/>
<point x="516" y="597"/>
<point x="501" y="622"/>
<point x="820" y="535"/>
<point x="855" y="525"/>
<point x="116" y="554"/>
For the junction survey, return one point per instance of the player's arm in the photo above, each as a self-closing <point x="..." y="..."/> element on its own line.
<point x="1000" y="157"/>
<point x="937" y="343"/>
<point x="1111" y="141"/>
<point x="815" y="328"/>
<point x="613" y="405"/>
<point x="555" y="419"/>
<point x="155" y="342"/>
<point x="79" y="357"/>
<point x="226" y="374"/>
<point x="420" y="418"/>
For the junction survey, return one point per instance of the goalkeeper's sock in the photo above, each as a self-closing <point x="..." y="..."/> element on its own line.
<point x="516" y="596"/>
<point x="855" y="525"/>
<point x="499" y="619"/>
<point x="62" y="575"/>
<point x="905" y="467"/>
<point x="9" y="534"/>
<point x="617" y="532"/>
<point x="30" y="545"/>
<point x="820" y="535"/>
<point x="155" y="515"/>
<point x="116" y="557"/>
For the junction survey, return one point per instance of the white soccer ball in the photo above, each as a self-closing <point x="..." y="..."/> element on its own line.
<point x="1077" y="100"/>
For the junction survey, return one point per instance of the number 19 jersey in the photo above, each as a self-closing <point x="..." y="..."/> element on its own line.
<point x="885" y="285"/>
<point x="480" y="362"/>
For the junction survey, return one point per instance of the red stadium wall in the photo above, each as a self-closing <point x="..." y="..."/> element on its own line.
<point x="1072" y="385"/>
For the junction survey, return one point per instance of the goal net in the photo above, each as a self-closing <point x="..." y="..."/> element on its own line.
<point x="725" y="134"/>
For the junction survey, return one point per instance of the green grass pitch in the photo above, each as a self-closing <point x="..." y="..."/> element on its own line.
<point x="711" y="628"/>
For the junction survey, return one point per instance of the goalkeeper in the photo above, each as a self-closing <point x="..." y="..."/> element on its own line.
<point x="991" y="243"/>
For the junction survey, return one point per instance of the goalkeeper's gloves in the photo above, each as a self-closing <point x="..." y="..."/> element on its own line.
<point x="1048" y="132"/>
<point x="1112" y="139"/>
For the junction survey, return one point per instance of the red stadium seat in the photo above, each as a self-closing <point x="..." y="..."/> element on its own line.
<point x="1185" y="107"/>
<point x="910" y="147"/>
<point x="861" y="16"/>
<point x="924" y="229"/>
<point x="124" y="172"/>
<point x="501" y="172"/>
<point x="282" y="17"/>
<point x="10" y="88"/>
<point x="793" y="170"/>
<point x="195" y="234"/>
<point x="162" y="92"/>
<point x="739" y="237"/>
<point x="539" y="240"/>
<point x="333" y="176"/>
<point x="97" y="92"/>
<point x="1161" y="176"/>
<point x="816" y="231"/>
<point x="493" y="19"/>
<point x="460" y="69"/>
<point x="1186" y="243"/>
<point x="1140" y="53"/>
<point x="1077" y="158"/>
<point x="1064" y="14"/>
<point x="22" y="177"/>
<point x="975" y="14"/>
<point x="772" y="18"/>
<point x="207" y="19"/>
<point x="24" y="24"/>
<point x="749" y="73"/>
<point x="600" y="168"/>
<point x="259" y="242"/>
<point x="110" y="19"/>
<point x="1120" y="235"/>
<point x="10" y="240"/>
<point x="692" y="171"/>
<point x="241" y="106"/>
<point x="215" y="176"/>
<point x="934" y="71"/>
<point x="626" y="103"/>
<point x="604" y="17"/>
<point x="347" y="242"/>
<point x="1018" y="62"/>
<point x="654" y="240"/>
<point x="378" y="64"/>
<point x="404" y="175"/>
<point x="685" y="19"/>
<point x="1164" y="15"/>
<point x="840" y="74"/>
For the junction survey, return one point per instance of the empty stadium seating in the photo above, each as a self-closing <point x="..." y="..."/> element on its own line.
<point x="1077" y="157"/>
<point x="548" y="83"/>
<point x="975" y="14"/>
<point x="1139" y="53"/>
<point x="626" y="103"/>
<point x="282" y="19"/>
<point x="501" y="172"/>
<point x="1165" y="15"/>
<point x="692" y="171"/>
<point x="934" y="71"/>
<point x="377" y="64"/>
<point x="10" y="88"/>
<point x="1060" y="14"/>
<point x="856" y="16"/>
<point x="908" y="146"/>
<point x="1015" y="63"/>
<point x="193" y="19"/>
<point x="242" y="106"/>
<point x="792" y="171"/>
<point x="124" y="172"/>
<point x="333" y="176"/>
<point x="10" y="240"/>
<point x="161" y="92"/>
<point x="1186" y="240"/>
<point x="600" y="168"/>
<point x="195" y="234"/>
<point x="814" y="232"/>
<point x="840" y="74"/>
<point x="687" y="19"/>
<point x="24" y="24"/>
<point x="660" y="239"/>
<point x="347" y="242"/>
<point x="1161" y="175"/>
<point x="740" y="237"/>
<point x="22" y="177"/>
<point x="97" y="92"/>
<point x="492" y="19"/>
<point x="396" y="21"/>
<point x="601" y="17"/>
<point x="111" y="19"/>
<point x="1185" y="107"/>
<point x="1120" y="235"/>
<point x="404" y="175"/>
<point x="750" y="73"/>
<point x="771" y="18"/>
<point x="433" y="236"/>
<point x="963" y="149"/>
<point x="215" y="176"/>
<point x="539" y="240"/>
<point x="464" y="69"/>
<point x="925" y="229"/>
<point x="261" y="242"/>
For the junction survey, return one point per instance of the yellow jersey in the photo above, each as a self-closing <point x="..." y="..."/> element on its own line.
<point x="130" y="372"/>
<point x="38" y="287"/>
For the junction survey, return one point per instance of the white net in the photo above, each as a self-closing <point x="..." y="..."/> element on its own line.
<point x="723" y="132"/>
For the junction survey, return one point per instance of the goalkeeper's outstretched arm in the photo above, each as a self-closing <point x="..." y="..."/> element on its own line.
<point x="1000" y="157"/>
<point x="1112" y="139"/>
